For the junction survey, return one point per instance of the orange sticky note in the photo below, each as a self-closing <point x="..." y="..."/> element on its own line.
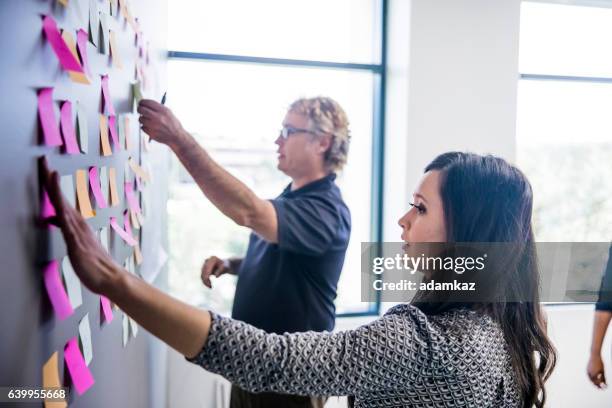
<point x="83" y="194"/>
<point x="106" y="148"/>
<point x="114" y="50"/>
<point x="51" y="380"/>
<point x="78" y="77"/>
<point x="112" y="179"/>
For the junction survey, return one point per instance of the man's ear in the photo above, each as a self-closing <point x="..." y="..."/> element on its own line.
<point x="324" y="143"/>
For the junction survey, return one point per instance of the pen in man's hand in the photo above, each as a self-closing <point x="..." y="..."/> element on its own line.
<point x="163" y="102"/>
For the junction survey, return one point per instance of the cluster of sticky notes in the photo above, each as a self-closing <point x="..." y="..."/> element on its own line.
<point x="67" y="58"/>
<point x="51" y="135"/>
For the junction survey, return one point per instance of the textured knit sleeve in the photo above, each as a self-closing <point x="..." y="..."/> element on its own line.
<point x="388" y="354"/>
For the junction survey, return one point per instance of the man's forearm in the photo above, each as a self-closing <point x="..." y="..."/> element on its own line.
<point x="226" y="192"/>
<point x="600" y="325"/>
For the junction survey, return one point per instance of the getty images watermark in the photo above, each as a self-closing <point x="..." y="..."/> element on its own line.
<point x="474" y="272"/>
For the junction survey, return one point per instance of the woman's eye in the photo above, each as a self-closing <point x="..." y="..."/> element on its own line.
<point x="419" y="207"/>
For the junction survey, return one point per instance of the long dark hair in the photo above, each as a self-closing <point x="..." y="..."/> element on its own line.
<point x="487" y="200"/>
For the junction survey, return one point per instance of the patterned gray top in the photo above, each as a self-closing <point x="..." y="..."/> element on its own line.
<point x="403" y="359"/>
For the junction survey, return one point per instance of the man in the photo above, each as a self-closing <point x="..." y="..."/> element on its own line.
<point x="288" y="278"/>
<point x="603" y="315"/>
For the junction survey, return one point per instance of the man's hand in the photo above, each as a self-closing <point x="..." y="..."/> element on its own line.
<point x="595" y="371"/>
<point x="93" y="265"/>
<point x="160" y="123"/>
<point x="213" y="266"/>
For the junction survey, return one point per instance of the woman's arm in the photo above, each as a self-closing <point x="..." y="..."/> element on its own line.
<point x="183" y="327"/>
<point x="595" y="367"/>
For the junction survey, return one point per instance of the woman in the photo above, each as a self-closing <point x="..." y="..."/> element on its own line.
<point x="434" y="353"/>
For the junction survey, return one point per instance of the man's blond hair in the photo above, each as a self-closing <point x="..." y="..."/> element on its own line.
<point x="326" y="116"/>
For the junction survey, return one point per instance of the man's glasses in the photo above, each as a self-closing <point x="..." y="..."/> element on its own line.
<point x="287" y="131"/>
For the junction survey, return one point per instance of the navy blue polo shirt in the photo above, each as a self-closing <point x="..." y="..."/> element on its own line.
<point x="290" y="286"/>
<point x="605" y="291"/>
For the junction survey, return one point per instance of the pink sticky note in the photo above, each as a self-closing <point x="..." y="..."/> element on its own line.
<point x="82" y="38"/>
<point x="46" y="208"/>
<point x="94" y="182"/>
<point x="107" y="311"/>
<point x="126" y="222"/>
<point x="51" y="134"/>
<point x="79" y="372"/>
<point x="112" y="126"/>
<point x="65" y="57"/>
<point x="56" y="291"/>
<point x="121" y="232"/>
<point x="68" y="132"/>
<point x="131" y="198"/>
<point x="108" y="103"/>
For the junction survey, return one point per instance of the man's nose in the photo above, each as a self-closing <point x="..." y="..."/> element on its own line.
<point x="279" y="140"/>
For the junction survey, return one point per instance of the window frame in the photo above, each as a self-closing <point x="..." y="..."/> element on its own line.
<point x="379" y="72"/>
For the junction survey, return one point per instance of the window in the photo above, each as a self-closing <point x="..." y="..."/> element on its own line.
<point x="564" y="125"/>
<point x="231" y="77"/>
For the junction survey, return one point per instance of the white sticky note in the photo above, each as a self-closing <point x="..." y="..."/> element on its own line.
<point x="103" y="46"/>
<point x="85" y="338"/>
<point x="104" y="183"/>
<point x="82" y="132"/>
<point x="133" y="327"/>
<point x="94" y="23"/>
<point x="121" y="129"/>
<point x="67" y="187"/>
<point x="73" y="284"/>
<point x="126" y="329"/>
<point x="104" y="238"/>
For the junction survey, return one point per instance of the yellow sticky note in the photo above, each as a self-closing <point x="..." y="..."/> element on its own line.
<point x="115" y="51"/>
<point x="134" y="219"/>
<point x="139" y="171"/>
<point x="104" y="142"/>
<point x="126" y="131"/>
<point x="63" y="2"/>
<point x="83" y="194"/>
<point x="51" y="380"/>
<point x="112" y="179"/>
<point x="79" y="77"/>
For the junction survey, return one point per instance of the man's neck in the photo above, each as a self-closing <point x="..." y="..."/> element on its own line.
<point x="302" y="181"/>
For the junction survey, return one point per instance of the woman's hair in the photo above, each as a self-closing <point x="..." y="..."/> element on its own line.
<point x="327" y="117"/>
<point x="487" y="200"/>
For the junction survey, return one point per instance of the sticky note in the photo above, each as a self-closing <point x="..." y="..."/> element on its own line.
<point x="63" y="2"/>
<point x="134" y="219"/>
<point x="122" y="233"/>
<point x="127" y="172"/>
<point x="46" y="113"/>
<point x="131" y="198"/>
<point x="126" y="130"/>
<point x="103" y="40"/>
<point x="112" y="181"/>
<point x="85" y="338"/>
<point x="67" y="187"/>
<point x="104" y="143"/>
<point x="113" y="7"/>
<point x="50" y="374"/>
<point x="104" y="238"/>
<point x="139" y="171"/>
<point x="82" y="47"/>
<point x="79" y="372"/>
<point x="108" y="103"/>
<point x="114" y="50"/>
<point x="46" y="208"/>
<point x="112" y="126"/>
<point x="83" y="194"/>
<point x="67" y="126"/>
<point x="126" y="329"/>
<point x="104" y="182"/>
<point x="133" y="327"/>
<point x="94" y="183"/>
<point x="73" y="284"/>
<point x="136" y="94"/>
<point x="65" y="57"/>
<point x="82" y="131"/>
<point x="55" y="290"/>
<point x="94" y="22"/>
<point x="137" y="254"/>
<point x="78" y="77"/>
<point x="107" y="311"/>
<point x="121" y="130"/>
